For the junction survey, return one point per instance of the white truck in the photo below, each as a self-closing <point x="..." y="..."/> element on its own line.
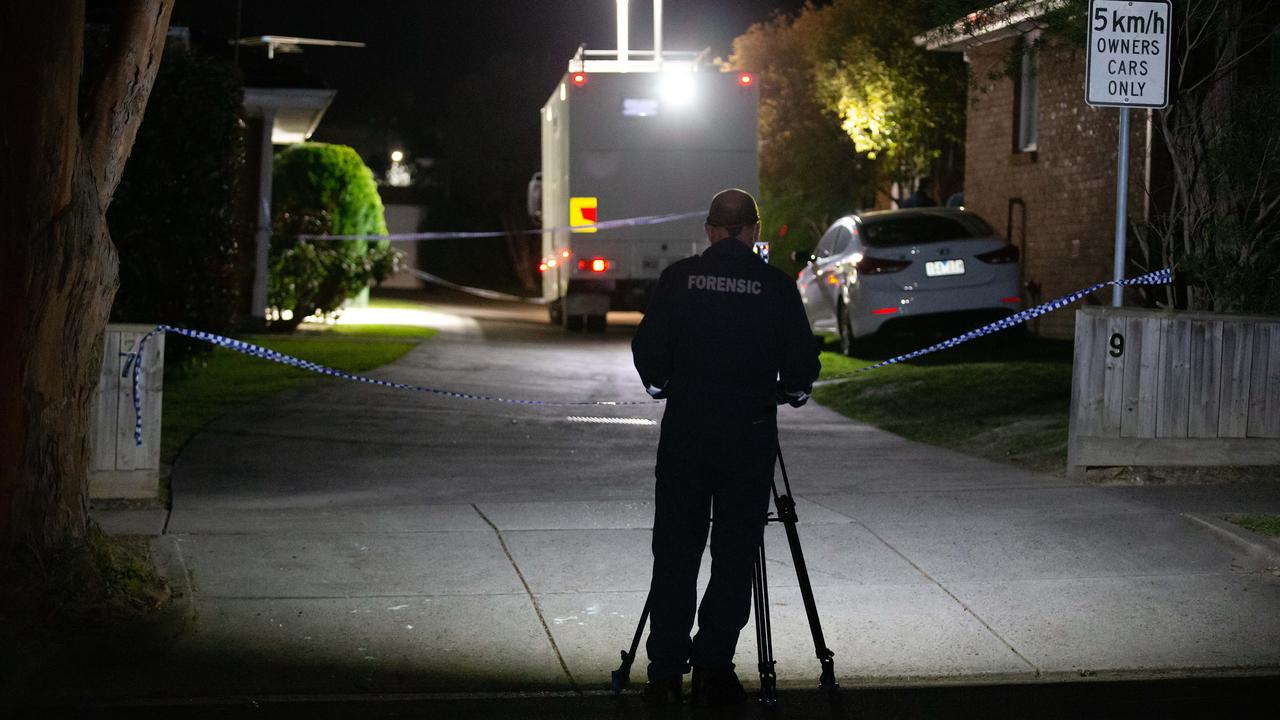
<point x="626" y="137"/>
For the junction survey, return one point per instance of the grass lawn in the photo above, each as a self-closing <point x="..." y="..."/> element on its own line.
<point x="1268" y="525"/>
<point x="1004" y="397"/>
<point x="210" y="386"/>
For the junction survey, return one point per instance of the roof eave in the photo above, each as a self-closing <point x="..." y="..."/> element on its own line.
<point x="998" y="22"/>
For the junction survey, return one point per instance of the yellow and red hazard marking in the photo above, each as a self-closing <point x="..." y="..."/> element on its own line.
<point x="582" y="214"/>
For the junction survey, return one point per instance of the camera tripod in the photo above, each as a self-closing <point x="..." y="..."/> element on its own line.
<point x="785" y="513"/>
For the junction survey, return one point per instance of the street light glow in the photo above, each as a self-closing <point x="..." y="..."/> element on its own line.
<point x="396" y="156"/>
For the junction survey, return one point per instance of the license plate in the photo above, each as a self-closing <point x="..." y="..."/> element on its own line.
<point x="939" y="268"/>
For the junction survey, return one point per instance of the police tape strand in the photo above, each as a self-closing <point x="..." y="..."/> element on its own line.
<point x="1159" y="277"/>
<point x="134" y="364"/>
<point x="478" y="292"/>
<point x="585" y="228"/>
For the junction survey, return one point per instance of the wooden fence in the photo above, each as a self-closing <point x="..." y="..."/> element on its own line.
<point x="1152" y="387"/>
<point x="121" y="468"/>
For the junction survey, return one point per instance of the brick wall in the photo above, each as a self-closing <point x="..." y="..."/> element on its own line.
<point x="1068" y="184"/>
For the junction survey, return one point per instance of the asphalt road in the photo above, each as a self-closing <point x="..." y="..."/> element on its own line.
<point x="358" y="543"/>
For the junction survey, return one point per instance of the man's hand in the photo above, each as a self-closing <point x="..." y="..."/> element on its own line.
<point x="794" y="398"/>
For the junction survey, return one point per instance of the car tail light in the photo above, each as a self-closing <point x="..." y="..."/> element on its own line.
<point x="1011" y="299"/>
<point x="878" y="266"/>
<point x="596" y="264"/>
<point x="579" y="79"/>
<point x="884" y="311"/>
<point x="1000" y="256"/>
<point x="542" y="267"/>
<point x="745" y="79"/>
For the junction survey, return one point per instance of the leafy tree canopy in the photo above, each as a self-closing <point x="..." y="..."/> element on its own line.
<point x="849" y="105"/>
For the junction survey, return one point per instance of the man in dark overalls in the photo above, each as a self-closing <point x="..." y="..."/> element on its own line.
<point x="724" y="340"/>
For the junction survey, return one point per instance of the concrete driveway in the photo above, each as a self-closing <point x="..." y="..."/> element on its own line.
<point x="354" y="539"/>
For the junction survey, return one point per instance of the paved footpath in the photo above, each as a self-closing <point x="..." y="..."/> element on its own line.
<point x="353" y="539"/>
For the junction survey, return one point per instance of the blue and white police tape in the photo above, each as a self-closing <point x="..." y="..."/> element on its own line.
<point x="1159" y="277"/>
<point x="461" y="235"/>
<point x="135" y="363"/>
<point x="478" y="292"/>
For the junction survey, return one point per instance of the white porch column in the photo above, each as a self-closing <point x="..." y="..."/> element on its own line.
<point x="262" y="237"/>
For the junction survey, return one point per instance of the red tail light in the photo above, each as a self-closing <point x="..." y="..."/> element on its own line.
<point x="1011" y="299"/>
<point x="884" y="311"/>
<point x="745" y="79"/>
<point x="1000" y="256"/>
<point x="579" y="79"/>
<point x="596" y="264"/>
<point x="879" y="266"/>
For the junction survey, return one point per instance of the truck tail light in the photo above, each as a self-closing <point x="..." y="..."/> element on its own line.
<point x="879" y="266"/>
<point x="596" y="264"/>
<point x="579" y="79"/>
<point x="1000" y="256"/>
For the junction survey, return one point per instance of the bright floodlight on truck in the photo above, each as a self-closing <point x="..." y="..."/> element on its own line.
<point x="676" y="88"/>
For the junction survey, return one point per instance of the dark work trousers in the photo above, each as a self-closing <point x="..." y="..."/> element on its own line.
<point x="709" y="464"/>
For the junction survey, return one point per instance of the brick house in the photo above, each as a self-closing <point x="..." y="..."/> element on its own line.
<point x="1040" y="164"/>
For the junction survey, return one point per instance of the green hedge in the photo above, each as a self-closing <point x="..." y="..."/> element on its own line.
<point x="173" y="216"/>
<point x="324" y="189"/>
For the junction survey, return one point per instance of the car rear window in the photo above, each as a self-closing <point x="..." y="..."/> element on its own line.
<point x="893" y="231"/>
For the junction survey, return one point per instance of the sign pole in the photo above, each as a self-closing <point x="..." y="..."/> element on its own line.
<point x="1126" y="67"/>
<point x="1122" y="208"/>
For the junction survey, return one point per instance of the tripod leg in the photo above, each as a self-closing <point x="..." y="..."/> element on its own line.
<point x="621" y="677"/>
<point x="764" y="632"/>
<point x="787" y="514"/>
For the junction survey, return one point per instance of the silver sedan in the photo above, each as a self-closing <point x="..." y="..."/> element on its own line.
<point x="877" y="268"/>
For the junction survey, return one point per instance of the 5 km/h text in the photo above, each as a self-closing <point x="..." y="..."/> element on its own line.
<point x="1151" y="22"/>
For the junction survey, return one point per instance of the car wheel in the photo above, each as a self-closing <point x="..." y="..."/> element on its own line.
<point x="595" y="323"/>
<point x="574" y="323"/>
<point x="847" y="345"/>
<point x="556" y="312"/>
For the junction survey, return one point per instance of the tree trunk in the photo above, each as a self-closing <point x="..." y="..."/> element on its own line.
<point x="60" y="162"/>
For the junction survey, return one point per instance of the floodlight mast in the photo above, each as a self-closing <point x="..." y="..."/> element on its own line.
<point x="657" y="33"/>
<point x="624" y="59"/>
<point x="624" y="32"/>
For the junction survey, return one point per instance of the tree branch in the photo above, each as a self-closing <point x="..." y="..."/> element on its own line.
<point x="113" y="112"/>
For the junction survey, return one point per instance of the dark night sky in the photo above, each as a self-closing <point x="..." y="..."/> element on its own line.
<point x="391" y="92"/>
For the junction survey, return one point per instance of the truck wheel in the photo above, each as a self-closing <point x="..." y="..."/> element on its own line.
<point x="595" y="323"/>
<point x="574" y="323"/>
<point x="555" y="311"/>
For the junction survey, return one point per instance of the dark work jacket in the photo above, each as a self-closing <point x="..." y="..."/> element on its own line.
<point x="722" y="330"/>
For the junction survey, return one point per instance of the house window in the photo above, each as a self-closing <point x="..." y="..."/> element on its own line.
<point x="1027" y="103"/>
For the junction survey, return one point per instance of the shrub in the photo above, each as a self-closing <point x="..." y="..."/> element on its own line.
<point x="173" y="216"/>
<point x="325" y="190"/>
